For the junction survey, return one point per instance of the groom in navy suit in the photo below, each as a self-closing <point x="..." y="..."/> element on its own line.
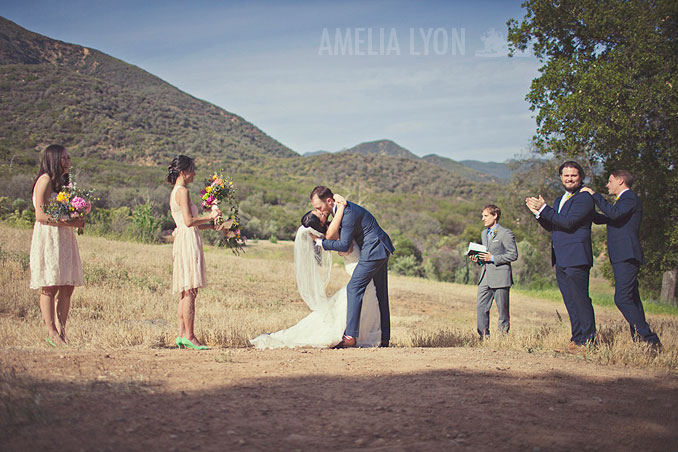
<point x="569" y="221"/>
<point x="623" y="247"/>
<point x="375" y="248"/>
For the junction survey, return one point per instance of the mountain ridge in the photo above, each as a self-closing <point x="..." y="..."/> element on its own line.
<point x="390" y="148"/>
<point x="381" y="147"/>
<point x="67" y="86"/>
<point x="499" y="170"/>
<point x="105" y="109"/>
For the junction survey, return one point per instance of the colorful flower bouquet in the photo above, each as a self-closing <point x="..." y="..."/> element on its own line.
<point x="219" y="193"/>
<point x="71" y="202"/>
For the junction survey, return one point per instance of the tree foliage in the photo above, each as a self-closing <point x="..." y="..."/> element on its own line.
<point x="607" y="94"/>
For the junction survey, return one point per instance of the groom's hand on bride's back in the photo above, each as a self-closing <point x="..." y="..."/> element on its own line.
<point x="317" y="241"/>
<point x="350" y="250"/>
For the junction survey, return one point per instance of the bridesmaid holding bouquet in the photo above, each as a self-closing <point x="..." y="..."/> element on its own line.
<point x="188" y="271"/>
<point x="55" y="260"/>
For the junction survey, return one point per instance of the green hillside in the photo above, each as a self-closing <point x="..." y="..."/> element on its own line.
<point x="500" y="171"/>
<point x="391" y="149"/>
<point x="122" y="126"/>
<point x="458" y="168"/>
<point x="100" y="106"/>
<point x="381" y="147"/>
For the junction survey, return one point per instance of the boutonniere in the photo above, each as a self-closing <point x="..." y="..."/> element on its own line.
<point x="494" y="234"/>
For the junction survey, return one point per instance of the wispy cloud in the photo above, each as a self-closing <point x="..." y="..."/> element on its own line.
<point x="260" y="60"/>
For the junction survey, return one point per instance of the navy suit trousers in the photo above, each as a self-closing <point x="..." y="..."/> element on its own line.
<point x="627" y="299"/>
<point x="365" y="272"/>
<point x="574" y="286"/>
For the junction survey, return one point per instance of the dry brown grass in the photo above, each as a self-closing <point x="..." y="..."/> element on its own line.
<point x="127" y="301"/>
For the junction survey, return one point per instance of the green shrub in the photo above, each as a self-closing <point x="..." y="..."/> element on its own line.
<point x="407" y="265"/>
<point x="146" y="226"/>
<point x="5" y="206"/>
<point x="19" y="205"/>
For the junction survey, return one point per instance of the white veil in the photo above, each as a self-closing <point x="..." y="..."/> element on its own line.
<point x="312" y="266"/>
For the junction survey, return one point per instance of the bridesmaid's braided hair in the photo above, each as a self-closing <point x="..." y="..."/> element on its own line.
<point x="179" y="163"/>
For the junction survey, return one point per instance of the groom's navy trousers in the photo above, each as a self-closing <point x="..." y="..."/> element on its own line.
<point x="375" y="245"/>
<point x="365" y="272"/>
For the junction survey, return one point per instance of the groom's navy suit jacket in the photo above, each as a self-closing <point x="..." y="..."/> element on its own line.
<point x="360" y="225"/>
<point x="375" y="247"/>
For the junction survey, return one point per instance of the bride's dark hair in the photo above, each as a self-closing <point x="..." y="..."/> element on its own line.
<point x="310" y="220"/>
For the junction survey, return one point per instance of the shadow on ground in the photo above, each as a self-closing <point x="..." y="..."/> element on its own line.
<point x="438" y="410"/>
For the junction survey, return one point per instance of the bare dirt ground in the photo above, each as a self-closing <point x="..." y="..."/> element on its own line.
<point x="369" y="399"/>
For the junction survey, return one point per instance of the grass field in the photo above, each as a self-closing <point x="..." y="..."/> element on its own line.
<point x="127" y="302"/>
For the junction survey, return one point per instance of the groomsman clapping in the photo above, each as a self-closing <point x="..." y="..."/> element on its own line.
<point x="569" y="221"/>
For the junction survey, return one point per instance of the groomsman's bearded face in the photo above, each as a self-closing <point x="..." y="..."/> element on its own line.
<point x="323" y="206"/>
<point x="570" y="178"/>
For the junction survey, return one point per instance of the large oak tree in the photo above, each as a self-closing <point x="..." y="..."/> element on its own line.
<point x="607" y="93"/>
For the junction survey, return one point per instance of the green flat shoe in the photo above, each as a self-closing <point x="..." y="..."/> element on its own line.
<point x="50" y="342"/>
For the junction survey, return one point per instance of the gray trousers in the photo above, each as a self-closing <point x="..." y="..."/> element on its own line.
<point x="485" y="296"/>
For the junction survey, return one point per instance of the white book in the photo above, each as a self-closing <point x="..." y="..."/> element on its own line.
<point x="475" y="248"/>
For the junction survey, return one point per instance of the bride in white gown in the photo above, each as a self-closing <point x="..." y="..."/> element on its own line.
<point x="325" y="325"/>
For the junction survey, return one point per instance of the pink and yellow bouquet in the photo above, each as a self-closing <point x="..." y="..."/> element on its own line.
<point x="71" y="202"/>
<point x="219" y="193"/>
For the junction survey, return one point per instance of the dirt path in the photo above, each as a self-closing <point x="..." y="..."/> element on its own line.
<point x="379" y="399"/>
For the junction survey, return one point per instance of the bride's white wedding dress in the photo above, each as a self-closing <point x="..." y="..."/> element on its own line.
<point x="325" y="325"/>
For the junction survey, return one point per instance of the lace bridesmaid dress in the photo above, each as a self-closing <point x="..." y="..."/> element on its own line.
<point x="189" y="261"/>
<point x="54" y="259"/>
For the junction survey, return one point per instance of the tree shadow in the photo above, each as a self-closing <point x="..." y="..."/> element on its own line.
<point x="421" y="411"/>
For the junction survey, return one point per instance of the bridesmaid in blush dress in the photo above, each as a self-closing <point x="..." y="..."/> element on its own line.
<point x="54" y="260"/>
<point x="188" y="270"/>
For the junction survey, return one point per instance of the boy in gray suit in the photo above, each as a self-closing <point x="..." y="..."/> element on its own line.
<point x="496" y="277"/>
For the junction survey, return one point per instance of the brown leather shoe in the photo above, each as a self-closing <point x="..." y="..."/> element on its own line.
<point x="384" y="343"/>
<point x="575" y="349"/>
<point x="346" y="342"/>
<point x="654" y="349"/>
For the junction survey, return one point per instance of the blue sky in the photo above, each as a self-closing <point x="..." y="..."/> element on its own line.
<point x="318" y="75"/>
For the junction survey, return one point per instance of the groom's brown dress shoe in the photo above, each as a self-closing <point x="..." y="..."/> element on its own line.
<point x="384" y="343"/>
<point x="575" y="349"/>
<point x="346" y="342"/>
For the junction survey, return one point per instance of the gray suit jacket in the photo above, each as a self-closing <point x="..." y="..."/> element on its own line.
<point x="503" y="248"/>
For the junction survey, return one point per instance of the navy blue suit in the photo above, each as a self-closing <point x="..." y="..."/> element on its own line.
<point x="375" y="248"/>
<point x="626" y="256"/>
<point x="572" y="255"/>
